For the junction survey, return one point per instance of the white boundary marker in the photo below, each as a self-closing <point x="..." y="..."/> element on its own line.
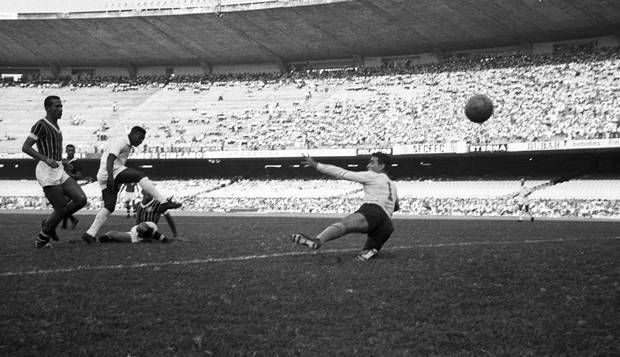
<point x="287" y="254"/>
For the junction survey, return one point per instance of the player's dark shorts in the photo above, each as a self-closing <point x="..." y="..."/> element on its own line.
<point x="379" y="225"/>
<point x="128" y="175"/>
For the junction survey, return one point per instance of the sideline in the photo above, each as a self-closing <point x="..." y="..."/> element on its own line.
<point x="81" y="268"/>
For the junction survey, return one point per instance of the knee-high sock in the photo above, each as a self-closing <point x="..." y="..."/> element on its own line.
<point x="332" y="232"/>
<point x="148" y="187"/>
<point x="100" y="219"/>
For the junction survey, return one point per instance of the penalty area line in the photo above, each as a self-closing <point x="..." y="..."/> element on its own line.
<point x="80" y="268"/>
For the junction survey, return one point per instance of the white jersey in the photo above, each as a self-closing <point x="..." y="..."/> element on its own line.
<point x="523" y="195"/>
<point x="119" y="147"/>
<point x="378" y="188"/>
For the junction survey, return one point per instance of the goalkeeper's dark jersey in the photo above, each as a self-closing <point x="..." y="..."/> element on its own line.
<point x="149" y="212"/>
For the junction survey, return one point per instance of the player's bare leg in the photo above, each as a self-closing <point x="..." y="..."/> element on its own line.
<point x="77" y="198"/>
<point x="56" y="197"/>
<point x="109" y="203"/>
<point x="115" y="237"/>
<point x="353" y="223"/>
<point x="529" y="213"/>
<point x="76" y="201"/>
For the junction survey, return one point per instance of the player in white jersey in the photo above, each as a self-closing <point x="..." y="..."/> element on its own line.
<point x="522" y="198"/>
<point x="374" y="217"/>
<point x="113" y="172"/>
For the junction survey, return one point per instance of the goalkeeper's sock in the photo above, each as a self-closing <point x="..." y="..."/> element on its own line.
<point x="332" y="232"/>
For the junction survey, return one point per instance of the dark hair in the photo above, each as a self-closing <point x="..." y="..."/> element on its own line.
<point x="137" y="129"/>
<point x="383" y="159"/>
<point x="70" y="146"/>
<point x="48" y="100"/>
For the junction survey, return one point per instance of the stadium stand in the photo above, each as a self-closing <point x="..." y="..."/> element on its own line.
<point x="578" y="198"/>
<point x="570" y="95"/>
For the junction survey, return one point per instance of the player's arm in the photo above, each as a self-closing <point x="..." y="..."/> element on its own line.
<point x="173" y="226"/>
<point x="335" y="171"/>
<point x="30" y="151"/>
<point x="72" y="170"/>
<point x="109" y="166"/>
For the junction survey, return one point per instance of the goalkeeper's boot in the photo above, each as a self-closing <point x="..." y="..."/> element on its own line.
<point x="302" y="239"/>
<point x="367" y="254"/>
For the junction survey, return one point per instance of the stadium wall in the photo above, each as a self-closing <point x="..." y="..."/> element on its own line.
<point x="476" y="165"/>
<point x="246" y="68"/>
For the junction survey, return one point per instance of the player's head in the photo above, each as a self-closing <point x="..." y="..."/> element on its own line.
<point x="70" y="150"/>
<point x="136" y="135"/>
<point x="379" y="162"/>
<point x="53" y="107"/>
<point x="146" y="196"/>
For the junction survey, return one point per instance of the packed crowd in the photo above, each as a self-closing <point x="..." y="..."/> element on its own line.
<point x="335" y="196"/>
<point x="573" y="94"/>
<point x="474" y="207"/>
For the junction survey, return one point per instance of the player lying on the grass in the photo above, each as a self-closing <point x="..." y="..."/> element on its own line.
<point x="148" y="213"/>
<point x="372" y="218"/>
<point x="113" y="172"/>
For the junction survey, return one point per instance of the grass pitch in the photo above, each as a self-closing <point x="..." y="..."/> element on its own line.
<point x="238" y="287"/>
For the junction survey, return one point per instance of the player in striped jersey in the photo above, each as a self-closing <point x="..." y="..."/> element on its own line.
<point x="372" y="218"/>
<point x="57" y="184"/>
<point x="148" y="213"/>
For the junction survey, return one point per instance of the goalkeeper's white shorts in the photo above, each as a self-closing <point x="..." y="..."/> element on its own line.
<point x="143" y="232"/>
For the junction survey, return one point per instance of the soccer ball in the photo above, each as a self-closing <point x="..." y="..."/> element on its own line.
<point x="479" y="108"/>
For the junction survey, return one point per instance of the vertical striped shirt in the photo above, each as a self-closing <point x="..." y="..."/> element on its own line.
<point x="48" y="138"/>
<point x="150" y="212"/>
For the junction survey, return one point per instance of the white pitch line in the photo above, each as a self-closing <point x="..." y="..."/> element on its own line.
<point x="287" y="254"/>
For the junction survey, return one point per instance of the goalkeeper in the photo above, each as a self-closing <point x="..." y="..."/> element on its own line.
<point x="148" y="213"/>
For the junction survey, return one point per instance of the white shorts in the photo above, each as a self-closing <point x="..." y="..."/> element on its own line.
<point x="48" y="176"/>
<point x="138" y="234"/>
<point x="130" y="196"/>
<point x="102" y="176"/>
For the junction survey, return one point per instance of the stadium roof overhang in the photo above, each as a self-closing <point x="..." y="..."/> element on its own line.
<point x="330" y="30"/>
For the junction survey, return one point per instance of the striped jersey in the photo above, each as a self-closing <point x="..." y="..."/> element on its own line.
<point x="378" y="188"/>
<point x="149" y="212"/>
<point x="48" y="138"/>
